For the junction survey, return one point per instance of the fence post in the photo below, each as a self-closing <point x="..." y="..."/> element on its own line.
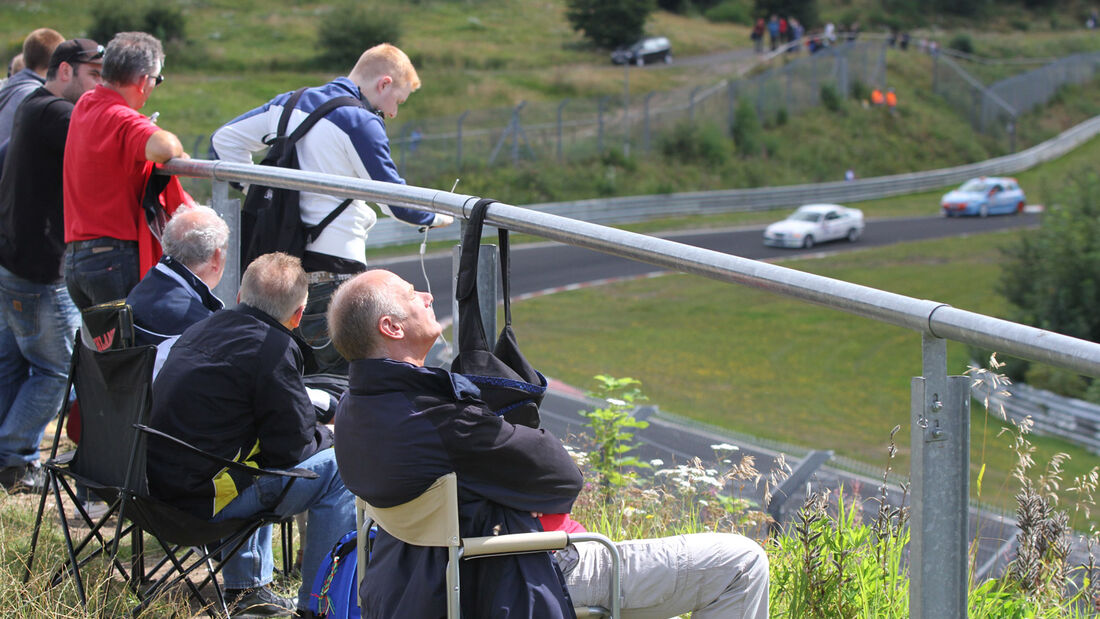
<point x="599" y="123"/>
<point x="230" y="211"/>
<point x="645" y="107"/>
<point x="458" y="150"/>
<point x="940" y="475"/>
<point x="731" y="106"/>
<point x="515" y="136"/>
<point x="404" y="141"/>
<point x="561" y="107"/>
<point x="691" y="103"/>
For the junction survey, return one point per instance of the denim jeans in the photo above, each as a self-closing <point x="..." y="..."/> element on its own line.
<point x="104" y="270"/>
<point x="314" y="330"/>
<point x="331" y="514"/>
<point x="36" y="342"/>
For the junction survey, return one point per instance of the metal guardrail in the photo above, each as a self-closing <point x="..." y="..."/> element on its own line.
<point x="939" y="406"/>
<point x="629" y="209"/>
<point x="1076" y="421"/>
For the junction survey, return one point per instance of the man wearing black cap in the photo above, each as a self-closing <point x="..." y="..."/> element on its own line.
<point x="37" y="317"/>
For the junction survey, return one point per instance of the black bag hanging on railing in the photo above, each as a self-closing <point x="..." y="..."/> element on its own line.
<point x="508" y="383"/>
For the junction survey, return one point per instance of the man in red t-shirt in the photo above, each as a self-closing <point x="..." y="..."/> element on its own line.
<point x="106" y="155"/>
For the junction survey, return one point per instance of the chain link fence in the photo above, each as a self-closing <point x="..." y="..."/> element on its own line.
<point x="994" y="110"/>
<point x="579" y="128"/>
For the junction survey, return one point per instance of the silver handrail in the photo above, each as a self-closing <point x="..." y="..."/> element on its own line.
<point x="939" y="404"/>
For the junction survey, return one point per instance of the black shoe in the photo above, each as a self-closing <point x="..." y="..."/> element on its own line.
<point x="260" y="602"/>
<point x="23" y="478"/>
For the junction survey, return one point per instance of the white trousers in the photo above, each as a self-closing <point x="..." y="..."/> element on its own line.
<point x="711" y="575"/>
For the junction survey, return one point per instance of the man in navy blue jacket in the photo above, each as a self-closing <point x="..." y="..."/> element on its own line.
<point x="232" y="385"/>
<point x="176" y="293"/>
<point x="402" y="425"/>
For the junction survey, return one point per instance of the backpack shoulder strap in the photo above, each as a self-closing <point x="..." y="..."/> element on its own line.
<point x="288" y="109"/>
<point x="320" y="113"/>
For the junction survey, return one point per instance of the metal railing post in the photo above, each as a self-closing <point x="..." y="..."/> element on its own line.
<point x="940" y="475"/>
<point x="488" y="283"/>
<point x="230" y="211"/>
<point x="601" y="106"/>
<point x="561" y="107"/>
<point x="458" y="151"/>
<point x="516" y="131"/>
<point x="645" y="107"/>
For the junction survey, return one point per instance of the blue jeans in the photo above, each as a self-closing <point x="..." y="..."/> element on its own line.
<point x="314" y="330"/>
<point x="37" y="331"/>
<point x="331" y="514"/>
<point x="103" y="270"/>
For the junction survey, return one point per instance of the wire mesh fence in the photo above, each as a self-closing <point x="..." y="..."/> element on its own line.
<point x="994" y="110"/>
<point x="579" y="128"/>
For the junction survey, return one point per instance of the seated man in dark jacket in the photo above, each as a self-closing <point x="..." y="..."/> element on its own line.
<point x="403" y="425"/>
<point x="176" y="293"/>
<point x="232" y="385"/>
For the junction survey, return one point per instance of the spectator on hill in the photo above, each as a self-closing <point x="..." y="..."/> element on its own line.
<point x="38" y="319"/>
<point x="107" y="163"/>
<point x="877" y="97"/>
<point x="349" y="141"/>
<point x="773" y="31"/>
<point x="891" y="101"/>
<point x="177" y="292"/>
<point x="232" y="385"/>
<point x="403" y="425"/>
<point x="38" y="47"/>
<point x="757" y="36"/>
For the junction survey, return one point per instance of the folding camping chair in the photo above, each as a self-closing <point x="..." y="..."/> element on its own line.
<point x="114" y="387"/>
<point x="431" y="519"/>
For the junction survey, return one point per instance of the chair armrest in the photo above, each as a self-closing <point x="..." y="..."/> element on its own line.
<point x="233" y="464"/>
<point x="514" y="543"/>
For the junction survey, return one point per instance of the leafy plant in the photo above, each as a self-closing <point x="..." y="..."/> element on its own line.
<point x="350" y="29"/>
<point x="962" y="42"/>
<point x="747" y="131"/>
<point x="830" y="98"/>
<point x="609" y="23"/>
<point x="611" y="427"/>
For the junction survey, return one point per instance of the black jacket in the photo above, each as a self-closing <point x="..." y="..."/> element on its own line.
<point x="232" y="385"/>
<point x="398" y="429"/>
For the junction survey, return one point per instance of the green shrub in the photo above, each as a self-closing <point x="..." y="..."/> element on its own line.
<point x="609" y="23"/>
<point x="695" y="144"/>
<point x="164" y="21"/>
<point x="859" y="90"/>
<point x="781" y="116"/>
<point x="349" y="29"/>
<point x="110" y="18"/>
<point x="730" y="11"/>
<point x="830" y="98"/>
<point x="962" y="42"/>
<point x="747" y="132"/>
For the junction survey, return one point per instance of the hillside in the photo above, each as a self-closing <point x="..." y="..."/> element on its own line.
<point x="492" y="54"/>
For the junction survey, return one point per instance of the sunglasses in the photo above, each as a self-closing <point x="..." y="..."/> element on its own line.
<point x="88" y="55"/>
<point x="157" y="79"/>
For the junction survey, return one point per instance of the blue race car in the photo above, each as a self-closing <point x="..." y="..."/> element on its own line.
<point x="988" y="195"/>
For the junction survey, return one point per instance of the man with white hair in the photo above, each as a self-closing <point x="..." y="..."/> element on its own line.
<point x="232" y="386"/>
<point x="176" y="293"/>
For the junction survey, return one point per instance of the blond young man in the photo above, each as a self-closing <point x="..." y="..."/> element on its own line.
<point x="348" y="141"/>
<point x="38" y="47"/>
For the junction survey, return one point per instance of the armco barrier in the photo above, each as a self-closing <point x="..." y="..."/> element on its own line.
<point x="1054" y="415"/>
<point x="640" y="208"/>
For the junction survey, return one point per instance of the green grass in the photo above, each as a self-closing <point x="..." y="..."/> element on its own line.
<point x="780" y="369"/>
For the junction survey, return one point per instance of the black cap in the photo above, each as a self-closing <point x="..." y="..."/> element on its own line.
<point x="76" y="51"/>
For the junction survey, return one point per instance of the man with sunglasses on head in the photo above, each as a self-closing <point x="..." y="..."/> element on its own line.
<point x="110" y="144"/>
<point x="38" y="317"/>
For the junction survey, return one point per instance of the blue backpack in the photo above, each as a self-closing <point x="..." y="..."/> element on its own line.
<point x="334" y="594"/>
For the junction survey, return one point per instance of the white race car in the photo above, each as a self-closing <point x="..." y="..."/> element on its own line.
<point x="815" y="223"/>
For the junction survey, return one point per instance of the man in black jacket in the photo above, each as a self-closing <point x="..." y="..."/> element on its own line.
<point x="402" y="425"/>
<point x="232" y="385"/>
<point x="37" y="317"/>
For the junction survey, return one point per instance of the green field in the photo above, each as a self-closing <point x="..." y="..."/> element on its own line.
<point x="779" y="369"/>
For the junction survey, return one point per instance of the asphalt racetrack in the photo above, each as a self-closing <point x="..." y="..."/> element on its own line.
<point x="550" y="265"/>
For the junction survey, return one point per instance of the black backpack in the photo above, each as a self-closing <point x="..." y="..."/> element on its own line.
<point x="271" y="218"/>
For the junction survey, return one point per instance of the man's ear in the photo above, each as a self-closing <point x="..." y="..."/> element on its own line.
<point x="296" y="319"/>
<point x="390" y="328"/>
<point x="65" y="72"/>
<point x="383" y="82"/>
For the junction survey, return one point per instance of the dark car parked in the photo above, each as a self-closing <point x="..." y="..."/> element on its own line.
<point x="649" y="49"/>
